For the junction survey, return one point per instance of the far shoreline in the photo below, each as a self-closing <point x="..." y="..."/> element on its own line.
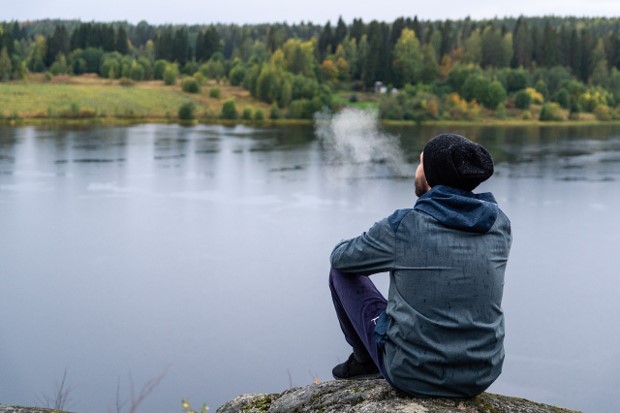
<point x="88" y="100"/>
<point x="278" y="123"/>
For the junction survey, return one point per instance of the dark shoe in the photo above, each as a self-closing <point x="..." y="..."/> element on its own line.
<point x="355" y="370"/>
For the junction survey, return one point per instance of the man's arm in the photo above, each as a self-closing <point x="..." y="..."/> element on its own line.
<point x="370" y="253"/>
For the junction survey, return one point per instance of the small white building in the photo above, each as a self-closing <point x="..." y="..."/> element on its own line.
<point x="380" y="87"/>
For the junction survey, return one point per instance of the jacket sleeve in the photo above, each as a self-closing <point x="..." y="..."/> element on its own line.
<point x="370" y="253"/>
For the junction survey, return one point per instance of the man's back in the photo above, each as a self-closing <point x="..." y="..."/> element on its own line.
<point x="446" y="327"/>
<point x="440" y="331"/>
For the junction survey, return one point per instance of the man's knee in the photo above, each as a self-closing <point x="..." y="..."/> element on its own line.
<point x="332" y="274"/>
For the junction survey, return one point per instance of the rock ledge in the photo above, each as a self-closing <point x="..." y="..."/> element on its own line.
<point x="375" y="396"/>
<point x="17" y="409"/>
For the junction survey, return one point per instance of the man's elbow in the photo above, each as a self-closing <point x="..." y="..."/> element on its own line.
<point x="335" y="258"/>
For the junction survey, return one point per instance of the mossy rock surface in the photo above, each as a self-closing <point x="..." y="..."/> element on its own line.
<point x="19" y="409"/>
<point x="375" y="396"/>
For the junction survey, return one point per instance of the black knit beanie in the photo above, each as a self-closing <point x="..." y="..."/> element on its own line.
<point x="455" y="161"/>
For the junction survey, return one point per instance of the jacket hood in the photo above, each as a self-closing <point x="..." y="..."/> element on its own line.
<point x="459" y="209"/>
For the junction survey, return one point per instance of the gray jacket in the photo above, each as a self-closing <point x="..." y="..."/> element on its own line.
<point x="442" y="333"/>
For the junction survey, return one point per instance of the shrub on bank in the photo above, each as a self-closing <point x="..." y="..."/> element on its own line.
<point x="190" y="85"/>
<point x="229" y="110"/>
<point x="247" y="114"/>
<point x="523" y="100"/>
<point x="215" y="93"/>
<point x="170" y="74"/>
<point x="187" y="111"/>
<point x="259" y="114"/>
<point x="552" y="112"/>
<point x="602" y="112"/>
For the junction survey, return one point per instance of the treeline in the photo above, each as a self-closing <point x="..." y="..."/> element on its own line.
<point x="430" y="69"/>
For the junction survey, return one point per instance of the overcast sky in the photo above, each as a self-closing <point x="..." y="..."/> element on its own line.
<point x="293" y="11"/>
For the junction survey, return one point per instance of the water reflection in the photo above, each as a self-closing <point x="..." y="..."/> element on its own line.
<point x="127" y="250"/>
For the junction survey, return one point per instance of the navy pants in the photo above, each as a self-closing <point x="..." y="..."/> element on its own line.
<point x="358" y="305"/>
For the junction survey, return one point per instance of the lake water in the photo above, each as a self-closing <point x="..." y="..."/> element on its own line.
<point x="200" y="254"/>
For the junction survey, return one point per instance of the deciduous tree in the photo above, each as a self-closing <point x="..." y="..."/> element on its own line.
<point x="407" y="58"/>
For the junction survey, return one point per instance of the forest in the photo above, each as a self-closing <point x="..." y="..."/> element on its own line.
<point x="547" y="68"/>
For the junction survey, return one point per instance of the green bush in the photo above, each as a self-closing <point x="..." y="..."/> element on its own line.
<point x="236" y="75"/>
<point x="495" y="95"/>
<point x="190" y="85"/>
<point x="259" y="114"/>
<point x="523" y="100"/>
<point x="60" y="67"/>
<point x="75" y="112"/>
<point x="215" y="93"/>
<point x="126" y="82"/>
<point x="190" y="67"/>
<point x="602" y="112"/>
<point x="247" y="114"/>
<point x="516" y="79"/>
<point x="136" y="71"/>
<point x="304" y="108"/>
<point x="542" y="88"/>
<point x="390" y="108"/>
<point x="274" y="112"/>
<point x="551" y="111"/>
<point x="500" y="111"/>
<point x="170" y="74"/>
<point x="187" y="111"/>
<point x="199" y="78"/>
<point x="229" y="111"/>
<point x="159" y="68"/>
<point x="563" y="98"/>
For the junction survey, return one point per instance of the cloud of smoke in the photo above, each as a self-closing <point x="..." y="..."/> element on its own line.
<point x="357" y="147"/>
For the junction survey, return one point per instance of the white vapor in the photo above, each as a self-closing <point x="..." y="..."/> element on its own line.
<point x="357" y="147"/>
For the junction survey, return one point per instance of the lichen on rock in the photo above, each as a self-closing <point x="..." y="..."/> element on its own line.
<point x="19" y="409"/>
<point x="375" y="396"/>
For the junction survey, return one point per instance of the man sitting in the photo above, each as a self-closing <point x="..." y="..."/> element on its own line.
<point x="441" y="330"/>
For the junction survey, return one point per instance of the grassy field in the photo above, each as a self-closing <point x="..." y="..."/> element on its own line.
<point x="93" y="97"/>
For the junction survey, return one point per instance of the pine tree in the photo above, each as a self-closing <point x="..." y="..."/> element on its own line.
<point x="57" y="43"/>
<point x="164" y="44"/>
<point x="522" y="44"/>
<point x="182" y="51"/>
<point x="358" y="29"/>
<point x="121" y="43"/>
<point x="207" y="43"/>
<point x="369" y="73"/>
<point x="613" y="50"/>
<point x="7" y="40"/>
<point x="418" y="30"/>
<point x="550" y="46"/>
<point x="588" y="44"/>
<point x="324" y="44"/>
<point x="536" y="45"/>
<point x="340" y="33"/>
<point x="397" y="30"/>
<point x="565" y="48"/>
<point x="448" y="39"/>
<point x="273" y="38"/>
<point x="576" y="55"/>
